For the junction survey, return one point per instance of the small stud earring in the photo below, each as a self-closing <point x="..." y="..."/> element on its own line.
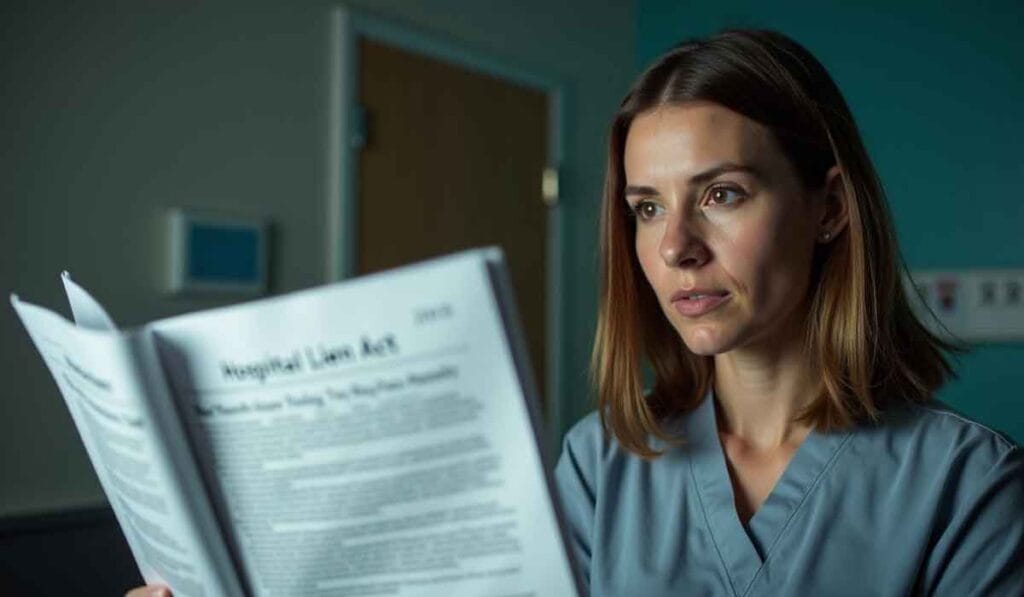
<point x="825" y="236"/>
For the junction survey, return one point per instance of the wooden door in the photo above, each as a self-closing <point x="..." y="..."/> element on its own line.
<point x="453" y="159"/>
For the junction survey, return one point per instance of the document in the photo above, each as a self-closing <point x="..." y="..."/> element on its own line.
<point x="374" y="437"/>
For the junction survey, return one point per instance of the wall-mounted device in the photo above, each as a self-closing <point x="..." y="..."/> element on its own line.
<point x="975" y="305"/>
<point x="216" y="253"/>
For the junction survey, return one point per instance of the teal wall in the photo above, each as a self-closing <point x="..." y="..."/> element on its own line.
<point x="937" y="92"/>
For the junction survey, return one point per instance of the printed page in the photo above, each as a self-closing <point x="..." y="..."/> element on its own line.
<point x="99" y="376"/>
<point x="372" y="438"/>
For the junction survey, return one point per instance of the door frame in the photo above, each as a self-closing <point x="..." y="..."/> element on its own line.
<point x="347" y="27"/>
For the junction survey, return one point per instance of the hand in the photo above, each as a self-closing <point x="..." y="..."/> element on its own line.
<point x="149" y="591"/>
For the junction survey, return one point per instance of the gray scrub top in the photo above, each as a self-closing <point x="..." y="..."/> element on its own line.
<point x="927" y="502"/>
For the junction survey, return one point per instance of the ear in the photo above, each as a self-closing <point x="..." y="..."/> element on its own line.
<point x="836" y="214"/>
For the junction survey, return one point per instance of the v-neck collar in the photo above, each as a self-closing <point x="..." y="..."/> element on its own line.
<point x="745" y="550"/>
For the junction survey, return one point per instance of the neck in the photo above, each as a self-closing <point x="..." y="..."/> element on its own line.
<point x="761" y="391"/>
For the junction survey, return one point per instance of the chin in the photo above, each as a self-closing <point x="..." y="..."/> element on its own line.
<point x="707" y="340"/>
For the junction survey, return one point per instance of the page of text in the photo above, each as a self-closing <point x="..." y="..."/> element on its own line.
<point x="372" y="438"/>
<point x="104" y="392"/>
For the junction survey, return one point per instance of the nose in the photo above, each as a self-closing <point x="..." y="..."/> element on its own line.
<point x="682" y="244"/>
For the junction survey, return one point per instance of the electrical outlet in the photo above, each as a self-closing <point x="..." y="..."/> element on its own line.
<point x="976" y="305"/>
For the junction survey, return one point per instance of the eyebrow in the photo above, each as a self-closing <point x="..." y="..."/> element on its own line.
<point x="700" y="178"/>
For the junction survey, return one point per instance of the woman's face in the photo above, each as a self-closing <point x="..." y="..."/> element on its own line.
<point x="720" y="211"/>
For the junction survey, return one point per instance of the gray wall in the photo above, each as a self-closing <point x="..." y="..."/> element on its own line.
<point x="107" y="117"/>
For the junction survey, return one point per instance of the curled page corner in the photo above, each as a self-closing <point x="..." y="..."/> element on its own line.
<point x="493" y="253"/>
<point x="86" y="310"/>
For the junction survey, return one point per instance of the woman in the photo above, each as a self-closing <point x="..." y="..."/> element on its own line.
<point x="789" y="443"/>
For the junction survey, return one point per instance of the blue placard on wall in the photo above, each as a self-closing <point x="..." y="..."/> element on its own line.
<point x="217" y="253"/>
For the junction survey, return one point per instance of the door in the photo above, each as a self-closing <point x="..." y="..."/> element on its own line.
<point x="453" y="159"/>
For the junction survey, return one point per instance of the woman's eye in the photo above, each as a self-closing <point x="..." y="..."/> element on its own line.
<point x="724" y="196"/>
<point x="646" y="210"/>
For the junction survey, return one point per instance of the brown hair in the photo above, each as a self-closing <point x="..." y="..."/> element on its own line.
<point x="862" y="337"/>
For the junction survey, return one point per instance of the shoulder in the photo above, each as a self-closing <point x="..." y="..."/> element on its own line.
<point x="592" y="453"/>
<point x="585" y="434"/>
<point x="939" y="442"/>
<point x="974" y="476"/>
<point x="938" y="427"/>
<point x="985" y="454"/>
<point x="587" y="440"/>
<point x="583" y="447"/>
<point x="588" y="425"/>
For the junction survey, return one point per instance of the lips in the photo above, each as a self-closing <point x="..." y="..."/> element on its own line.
<point x="698" y="301"/>
<point x="689" y="294"/>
